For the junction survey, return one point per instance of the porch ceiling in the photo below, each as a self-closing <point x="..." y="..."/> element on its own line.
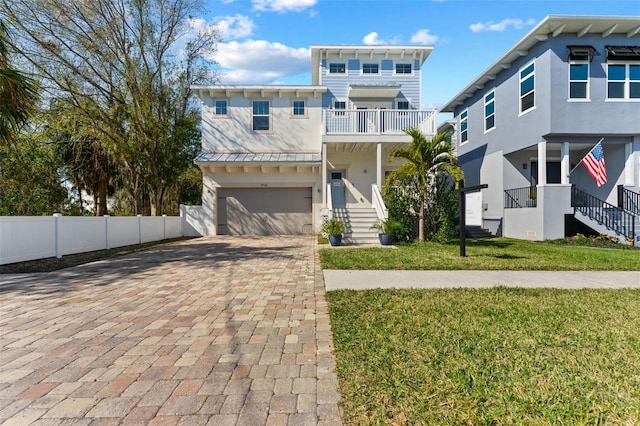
<point x="354" y="147"/>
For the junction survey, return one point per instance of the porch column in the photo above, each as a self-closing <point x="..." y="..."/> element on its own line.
<point x="542" y="163"/>
<point x="379" y="165"/>
<point x="629" y="164"/>
<point x="324" y="175"/>
<point x="565" y="165"/>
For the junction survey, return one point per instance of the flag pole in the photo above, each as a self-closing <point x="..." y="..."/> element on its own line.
<point x="580" y="162"/>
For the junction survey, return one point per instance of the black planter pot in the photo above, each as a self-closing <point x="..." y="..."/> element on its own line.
<point x="385" y="239"/>
<point x="335" y="240"/>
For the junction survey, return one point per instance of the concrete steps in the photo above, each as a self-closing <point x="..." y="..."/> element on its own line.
<point x="358" y="223"/>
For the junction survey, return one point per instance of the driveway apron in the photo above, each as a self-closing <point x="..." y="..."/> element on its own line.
<point x="220" y="330"/>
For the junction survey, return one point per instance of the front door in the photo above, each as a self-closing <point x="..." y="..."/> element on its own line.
<point x="553" y="172"/>
<point x="336" y="178"/>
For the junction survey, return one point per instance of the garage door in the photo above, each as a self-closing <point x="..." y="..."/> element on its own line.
<point x="264" y="211"/>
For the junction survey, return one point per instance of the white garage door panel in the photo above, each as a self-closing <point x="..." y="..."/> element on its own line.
<point x="264" y="211"/>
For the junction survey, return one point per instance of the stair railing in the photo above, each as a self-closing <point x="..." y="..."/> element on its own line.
<point x="519" y="198"/>
<point x="378" y="203"/>
<point x="329" y="201"/>
<point x="608" y="215"/>
<point x="628" y="200"/>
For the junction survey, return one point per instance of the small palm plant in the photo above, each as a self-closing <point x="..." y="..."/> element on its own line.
<point x="386" y="229"/>
<point x="334" y="229"/>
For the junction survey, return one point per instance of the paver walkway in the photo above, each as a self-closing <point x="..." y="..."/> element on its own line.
<point x="224" y="330"/>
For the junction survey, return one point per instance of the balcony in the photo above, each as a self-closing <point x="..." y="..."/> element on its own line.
<point x="368" y="122"/>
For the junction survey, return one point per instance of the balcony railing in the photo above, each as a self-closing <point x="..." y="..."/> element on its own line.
<point x="378" y="121"/>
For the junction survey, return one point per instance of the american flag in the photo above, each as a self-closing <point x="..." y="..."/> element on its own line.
<point x="594" y="162"/>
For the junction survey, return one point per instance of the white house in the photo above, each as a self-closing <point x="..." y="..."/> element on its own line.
<point x="525" y="123"/>
<point x="280" y="159"/>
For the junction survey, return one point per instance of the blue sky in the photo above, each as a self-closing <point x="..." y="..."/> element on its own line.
<point x="267" y="41"/>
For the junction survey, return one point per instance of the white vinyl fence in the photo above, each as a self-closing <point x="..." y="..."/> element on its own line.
<point x="35" y="237"/>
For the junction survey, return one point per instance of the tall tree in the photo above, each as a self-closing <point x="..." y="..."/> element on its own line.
<point x="127" y="67"/>
<point x="18" y="93"/>
<point x="427" y="160"/>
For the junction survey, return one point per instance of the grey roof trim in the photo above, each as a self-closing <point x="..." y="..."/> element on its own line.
<point x="551" y="26"/>
<point x="270" y="158"/>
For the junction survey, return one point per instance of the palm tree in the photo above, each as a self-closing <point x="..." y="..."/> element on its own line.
<point x="426" y="161"/>
<point x="18" y="94"/>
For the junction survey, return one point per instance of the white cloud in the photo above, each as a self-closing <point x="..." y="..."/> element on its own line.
<point x="424" y="37"/>
<point x="282" y="5"/>
<point x="234" y="27"/>
<point x="260" y="61"/>
<point x="373" y="39"/>
<point x="501" y="26"/>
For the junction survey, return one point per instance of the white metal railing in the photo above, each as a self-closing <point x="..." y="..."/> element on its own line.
<point x="379" y="121"/>
<point x="378" y="203"/>
<point x="329" y="201"/>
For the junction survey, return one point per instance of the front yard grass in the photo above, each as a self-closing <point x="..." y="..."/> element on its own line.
<point x="490" y="356"/>
<point x="483" y="254"/>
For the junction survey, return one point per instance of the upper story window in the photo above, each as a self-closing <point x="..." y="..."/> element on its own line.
<point x="221" y="107"/>
<point x="489" y="111"/>
<point x="623" y="72"/>
<point x="404" y="69"/>
<point x="579" y="60"/>
<point x="370" y="68"/>
<point x="339" y="105"/>
<point x="261" y="116"/>
<point x="337" y="68"/>
<point x="464" y="131"/>
<point x="527" y="87"/>
<point x="403" y="105"/>
<point x="299" y="108"/>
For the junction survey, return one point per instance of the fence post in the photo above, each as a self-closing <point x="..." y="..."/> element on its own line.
<point x="57" y="234"/>
<point x="139" y="229"/>
<point x="164" y="226"/>
<point x="106" y="231"/>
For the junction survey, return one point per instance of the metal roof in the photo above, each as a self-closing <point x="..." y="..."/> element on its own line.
<point x="271" y="158"/>
<point x="551" y="26"/>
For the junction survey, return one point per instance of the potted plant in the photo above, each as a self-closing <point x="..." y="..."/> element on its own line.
<point x="386" y="229"/>
<point x="334" y="229"/>
<point x="532" y="201"/>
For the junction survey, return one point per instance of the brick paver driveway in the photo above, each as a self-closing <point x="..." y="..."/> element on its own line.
<point x="226" y="330"/>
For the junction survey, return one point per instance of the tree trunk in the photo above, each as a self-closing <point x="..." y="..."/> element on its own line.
<point x="100" y="198"/>
<point x="421" y="221"/>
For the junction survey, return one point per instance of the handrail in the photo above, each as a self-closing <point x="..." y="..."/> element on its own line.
<point x="329" y="200"/>
<point x="628" y="200"/>
<point x="378" y="203"/>
<point x="378" y="121"/>
<point x="518" y="198"/>
<point x="608" y="215"/>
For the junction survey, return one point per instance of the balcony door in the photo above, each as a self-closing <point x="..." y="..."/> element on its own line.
<point x="368" y="119"/>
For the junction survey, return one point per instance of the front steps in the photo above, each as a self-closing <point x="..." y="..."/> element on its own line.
<point x="477" y="232"/>
<point x="358" y="223"/>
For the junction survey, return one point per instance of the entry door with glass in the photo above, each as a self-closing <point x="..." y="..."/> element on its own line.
<point x="336" y="179"/>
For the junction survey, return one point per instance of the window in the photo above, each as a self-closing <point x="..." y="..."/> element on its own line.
<point x="299" y="109"/>
<point x="370" y="68"/>
<point x="403" y="69"/>
<point x="623" y="80"/>
<point x="338" y="68"/>
<point x="403" y="104"/>
<point x="527" y="87"/>
<point x="578" y="79"/>
<point x="261" y="116"/>
<point x="464" y="135"/>
<point x="221" y="107"/>
<point x="489" y="111"/>
<point x="339" y="105"/>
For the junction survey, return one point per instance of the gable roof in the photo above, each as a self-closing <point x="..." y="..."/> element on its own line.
<point x="551" y="26"/>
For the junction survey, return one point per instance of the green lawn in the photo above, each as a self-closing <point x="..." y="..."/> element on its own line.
<point x="483" y="254"/>
<point x="492" y="356"/>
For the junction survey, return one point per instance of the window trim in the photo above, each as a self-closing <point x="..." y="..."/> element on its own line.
<point x="346" y="68"/>
<point x="626" y="82"/>
<point x="493" y="114"/>
<point x="215" y="108"/>
<point x="464" y="120"/>
<point x="586" y="62"/>
<point x="532" y="74"/>
<point x="336" y="111"/>
<point x="363" y="63"/>
<point x="407" y="74"/>
<point x="305" y="113"/>
<point x="270" y="115"/>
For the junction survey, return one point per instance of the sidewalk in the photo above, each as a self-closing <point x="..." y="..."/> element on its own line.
<point x="362" y="280"/>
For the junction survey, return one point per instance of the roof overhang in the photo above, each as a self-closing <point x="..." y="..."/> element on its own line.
<point x="550" y="27"/>
<point x="258" y="158"/>
<point x="262" y="91"/>
<point x="374" y="90"/>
